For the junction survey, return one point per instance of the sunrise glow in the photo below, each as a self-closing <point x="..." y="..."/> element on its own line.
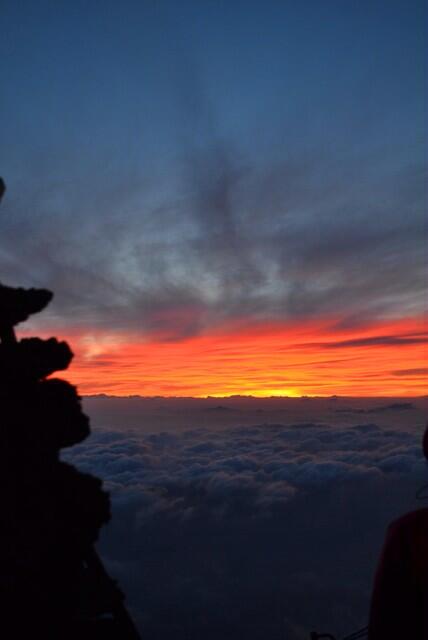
<point x="384" y="359"/>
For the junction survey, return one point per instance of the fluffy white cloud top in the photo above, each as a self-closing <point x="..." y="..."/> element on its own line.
<point x="253" y="529"/>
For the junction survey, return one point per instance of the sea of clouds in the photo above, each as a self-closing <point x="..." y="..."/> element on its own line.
<point x="247" y="518"/>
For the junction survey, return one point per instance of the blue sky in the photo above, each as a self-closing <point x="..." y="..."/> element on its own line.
<point x="261" y="156"/>
<point x="136" y="81"/>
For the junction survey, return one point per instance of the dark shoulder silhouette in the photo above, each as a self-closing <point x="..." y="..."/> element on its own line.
<point x="399" y="603"/>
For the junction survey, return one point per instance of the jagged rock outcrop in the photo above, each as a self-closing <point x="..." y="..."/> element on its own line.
<point x="52" y="584"/>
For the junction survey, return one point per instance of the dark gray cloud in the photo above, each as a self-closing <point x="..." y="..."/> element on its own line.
<point x="260" y="528"/>
<point x="227" y="235"/>
<point x="410" y="372"/>
<point x="373" y="341"/>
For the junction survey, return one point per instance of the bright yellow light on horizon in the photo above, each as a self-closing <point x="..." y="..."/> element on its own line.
<point x="263" y="361"/>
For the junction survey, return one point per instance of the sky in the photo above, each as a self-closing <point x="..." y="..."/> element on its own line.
<point x="225" y="197"/>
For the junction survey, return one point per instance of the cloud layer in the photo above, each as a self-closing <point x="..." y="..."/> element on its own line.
<point x="260" y="528"/>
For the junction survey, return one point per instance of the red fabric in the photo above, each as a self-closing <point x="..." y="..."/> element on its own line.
<point x="399" y="606"/>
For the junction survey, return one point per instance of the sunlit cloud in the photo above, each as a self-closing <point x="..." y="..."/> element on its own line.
<point x="275" y="359"/>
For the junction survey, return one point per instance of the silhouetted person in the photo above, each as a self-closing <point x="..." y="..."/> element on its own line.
<point x="399" y="606"/>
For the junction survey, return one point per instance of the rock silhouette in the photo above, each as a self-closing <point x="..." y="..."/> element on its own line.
<point x="52" y="583"/>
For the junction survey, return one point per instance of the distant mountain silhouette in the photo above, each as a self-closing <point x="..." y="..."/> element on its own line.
<point x="395" y="406"/>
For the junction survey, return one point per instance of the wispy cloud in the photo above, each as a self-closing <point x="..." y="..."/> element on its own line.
<point x="373" y="341"/>
<point x="229" y="238"/>
<point x="421" y="371"/>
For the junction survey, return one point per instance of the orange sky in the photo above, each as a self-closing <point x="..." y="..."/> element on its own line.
<point x="387" y="359"/>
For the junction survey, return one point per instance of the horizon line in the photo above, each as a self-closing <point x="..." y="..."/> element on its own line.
<point x="254" y="397"/>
